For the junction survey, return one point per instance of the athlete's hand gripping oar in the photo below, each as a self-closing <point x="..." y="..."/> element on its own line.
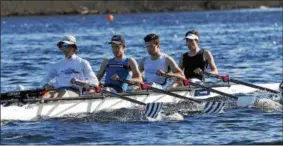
<point x="152" y="109"/>
<point x="146" y="86"/>
<point x="226" y="78"/>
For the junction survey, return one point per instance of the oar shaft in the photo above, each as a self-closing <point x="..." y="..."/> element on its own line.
<point x="173" y="94"/>
<point x="160" y="91"/>
<point x="19" y="94"/>
<point x="253" y="86"/>
<point x="51" y="99"/>
<point x="124" y="97"/>
<point x="213" y="90"/>
<point x="73" y="98"/>
<point x="115" y="94"/>
<point x="243" y="83"/>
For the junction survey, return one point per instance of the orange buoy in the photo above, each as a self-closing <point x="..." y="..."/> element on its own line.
<point x="110" y="17"/>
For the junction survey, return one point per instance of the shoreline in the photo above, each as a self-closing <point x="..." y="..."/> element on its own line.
<point x="51" y="8"/>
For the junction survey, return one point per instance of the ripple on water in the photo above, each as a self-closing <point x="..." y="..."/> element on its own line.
<point x="28" y="44"/>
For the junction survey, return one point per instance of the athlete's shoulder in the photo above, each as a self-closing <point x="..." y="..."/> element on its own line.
<point x="130" y="59"/>
<point x="82" y="60"/>
<point x="206" y="52"/>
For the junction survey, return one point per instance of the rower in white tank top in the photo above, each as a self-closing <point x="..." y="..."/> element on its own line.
<point x="151" y="66"/>
<point x="157" y="65"/>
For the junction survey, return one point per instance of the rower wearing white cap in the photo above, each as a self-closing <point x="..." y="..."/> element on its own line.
<point x="196" y="59"/>
<point x="65" y="72"/>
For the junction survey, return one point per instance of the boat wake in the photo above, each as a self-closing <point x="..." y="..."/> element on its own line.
<point x="267" y="102"/>
<point x="170" y="112"/>
<point x="268" y="105"/>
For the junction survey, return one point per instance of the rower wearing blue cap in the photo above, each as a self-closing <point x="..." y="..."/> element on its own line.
<point x="119" y="66"/>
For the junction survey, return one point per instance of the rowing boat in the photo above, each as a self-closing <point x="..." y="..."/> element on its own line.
<point x="96" y="103"/>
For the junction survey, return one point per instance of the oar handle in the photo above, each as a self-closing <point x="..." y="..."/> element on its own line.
<point x="227" y="79"/>
<point x="127" y="81"/>
<point x="142" y="85"/>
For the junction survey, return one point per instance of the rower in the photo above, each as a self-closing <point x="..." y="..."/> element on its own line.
<point x="196" y="59"/>
<point x="157" y="64"/>
<point x="72" y="68"/>
<point x="119" y="66"/>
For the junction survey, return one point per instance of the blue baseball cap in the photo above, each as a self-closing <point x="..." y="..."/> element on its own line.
<point x="117" y="39"/>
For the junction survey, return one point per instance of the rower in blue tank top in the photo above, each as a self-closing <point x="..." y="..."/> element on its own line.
<point x="119" y="67"/>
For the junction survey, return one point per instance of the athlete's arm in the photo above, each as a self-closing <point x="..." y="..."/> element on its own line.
<point x="181" y="63"/>
<point x="141" y="65"/>
<point x="50" y="74"/>
<point x="175" y="70"/>
<point x="102" y="69"/>
<point x="136" y="77"/>
<point x="91" y="78"/>
<point x="211" y="63"/>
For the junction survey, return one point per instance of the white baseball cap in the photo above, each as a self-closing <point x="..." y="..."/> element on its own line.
<point x="67" y="39"/>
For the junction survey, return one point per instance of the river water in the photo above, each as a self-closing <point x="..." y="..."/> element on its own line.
<point x="246" y="44"/>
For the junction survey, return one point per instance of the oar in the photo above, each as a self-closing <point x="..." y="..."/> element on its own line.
<point x="209" y="107"/>
<point x="152" y="109"/>
<point x="31" y="100"/>
<point x="22" y="94"/>
<point x="212" y="90"/>
<point x="146" y="86"/>
<point x="228" y="79"/>
<point x="243" y="102"/>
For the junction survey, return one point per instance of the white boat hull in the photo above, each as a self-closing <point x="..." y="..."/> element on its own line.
<point x="65" y="108"/>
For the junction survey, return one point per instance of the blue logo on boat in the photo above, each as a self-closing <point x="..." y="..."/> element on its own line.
<point x="201" y="92"/>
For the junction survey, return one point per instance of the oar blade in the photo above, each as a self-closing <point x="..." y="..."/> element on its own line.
<point x="213" y="107"/>
<point x="246" y="101"/>
<point x="153" y="109"/>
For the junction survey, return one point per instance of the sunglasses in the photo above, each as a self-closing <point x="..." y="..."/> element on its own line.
<point x="65" y="45"/>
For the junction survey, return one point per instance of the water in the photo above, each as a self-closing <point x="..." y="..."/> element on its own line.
<point x="246" y="44"/>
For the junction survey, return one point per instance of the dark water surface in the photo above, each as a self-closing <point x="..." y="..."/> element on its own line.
<point x="246" y="44"/>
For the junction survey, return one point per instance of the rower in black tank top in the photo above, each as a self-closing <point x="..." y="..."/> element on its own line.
<point x="190" y="63"/>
